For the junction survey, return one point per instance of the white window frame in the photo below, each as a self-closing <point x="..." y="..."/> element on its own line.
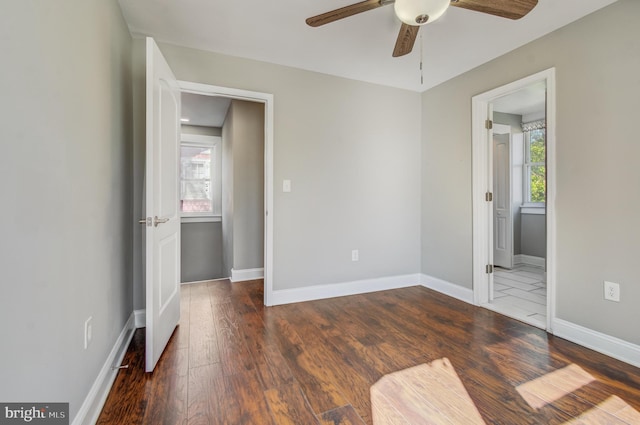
<point x="529" y="207"/>
<point x="215" y="143"/>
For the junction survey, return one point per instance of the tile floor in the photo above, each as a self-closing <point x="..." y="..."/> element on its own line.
<point x="521" y="293"/>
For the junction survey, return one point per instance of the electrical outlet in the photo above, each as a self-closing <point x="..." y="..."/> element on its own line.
<point x="355" y="255"/>
<point x="88" y="332"/>
<point x="611" y="291"/>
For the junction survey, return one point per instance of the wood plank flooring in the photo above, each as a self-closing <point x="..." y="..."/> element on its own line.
<point x="233" y="361"/>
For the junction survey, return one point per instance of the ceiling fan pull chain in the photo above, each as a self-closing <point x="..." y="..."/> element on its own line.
<point x="421" y="73"/>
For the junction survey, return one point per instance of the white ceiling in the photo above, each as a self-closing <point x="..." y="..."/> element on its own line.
<point x="358" y="47"/>
<point x="527" y="101"/>
<point x="207" y="111"/>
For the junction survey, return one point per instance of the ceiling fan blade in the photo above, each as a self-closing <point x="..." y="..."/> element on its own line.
<point x="512" y="9"/>
<point x="406" y="39"/>
<point x="345" y="12"/>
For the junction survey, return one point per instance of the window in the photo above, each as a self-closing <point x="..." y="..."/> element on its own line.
<point x="200" y="177"/>
<point x="535" y="181"/>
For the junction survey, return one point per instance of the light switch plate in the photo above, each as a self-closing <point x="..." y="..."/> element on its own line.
<point x="355" y="255"/>
<point x="286" y="185"/>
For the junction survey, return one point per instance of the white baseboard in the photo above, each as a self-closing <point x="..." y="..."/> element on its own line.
<point x="530" y="260"/>
<point x="93" y="403"/>
<point x="447" y="288"/>
<point x="140" y="318"/>
<point x="602" y="343"/>
<point x="203" y="281"/>
<point x="318" y="292"/>
<point x="247" y="274"/>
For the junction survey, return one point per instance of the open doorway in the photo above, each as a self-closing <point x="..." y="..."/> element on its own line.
<point x="222" y="188"/>
<point x="202" y="121"/>
<point x="519" y="199"/>
<point x="242" y="236"/>
<point x="513" y="186"/>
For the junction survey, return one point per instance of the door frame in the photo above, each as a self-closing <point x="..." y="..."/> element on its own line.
<point x="482" y="175"/>
<point x="267" y="100"/>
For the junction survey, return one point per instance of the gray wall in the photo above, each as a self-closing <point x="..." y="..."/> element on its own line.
<point x="352" y="152"/>
<point x="66" y="179"/>
<point x="512" y="120"/>
<point x="533" y="228"/>
<point x="243" y="186"/>
<point x="597" y="103"/>
<point x="248" y="184"/>
<point x="201" y="251"/>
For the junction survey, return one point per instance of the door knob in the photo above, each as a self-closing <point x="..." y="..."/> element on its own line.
<point x="157" y="220"/>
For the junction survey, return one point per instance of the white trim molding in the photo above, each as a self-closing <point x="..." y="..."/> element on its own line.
<point x="343" y="289"/>
<point x="140" y="318"/>
<point x="246" y="274"/>
<point x="597" y="341"/>
<point x="93" y="403"/>
<point x="201" y="219"/>
<point x="447" y="288"/>
<point x="482" y="182"/>
<point x="200" y="138"/>
<point x="531" y="210"/>
<point x="529" y="260"/>
<point x="194" y="282"/>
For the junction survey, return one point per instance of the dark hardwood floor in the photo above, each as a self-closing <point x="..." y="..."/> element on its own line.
<point x="233" y="361"/>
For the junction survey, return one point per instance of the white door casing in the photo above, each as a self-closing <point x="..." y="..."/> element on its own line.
<point x="162" y="250"/>
<point x="502" y="217"/>
<point x="481" y="168"/>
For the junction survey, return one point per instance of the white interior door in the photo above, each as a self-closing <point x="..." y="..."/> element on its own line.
<point x="502" y="218"/>
<point x="163" y="218"/>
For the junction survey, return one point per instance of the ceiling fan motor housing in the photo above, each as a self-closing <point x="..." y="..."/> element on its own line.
<point x="420" y="12"/>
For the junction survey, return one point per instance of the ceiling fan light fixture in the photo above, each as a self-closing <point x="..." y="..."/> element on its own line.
<point x="420" y="12"/>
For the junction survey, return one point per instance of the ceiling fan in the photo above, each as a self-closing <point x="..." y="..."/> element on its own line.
<point x="415" y="13"/>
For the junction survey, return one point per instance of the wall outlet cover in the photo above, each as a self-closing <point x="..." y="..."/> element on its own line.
<point x="611" y="291"/>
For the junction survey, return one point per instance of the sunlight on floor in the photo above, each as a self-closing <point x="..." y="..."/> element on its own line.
<point x="430" y="393"/>
<point x="433" y="393"/>
<point x="612" y="411"/>
<point x="564" y="382"/>
<point x="554" y="385"/>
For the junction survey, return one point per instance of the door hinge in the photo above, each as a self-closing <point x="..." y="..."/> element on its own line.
<point x="489" y="268"/>
<point x="488" y="124"/>
<point x="488" y="196"/>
